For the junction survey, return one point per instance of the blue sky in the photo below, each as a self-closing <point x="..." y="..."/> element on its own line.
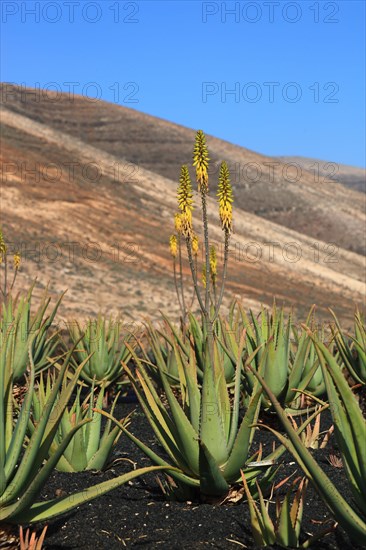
<point x="278" y="77"/>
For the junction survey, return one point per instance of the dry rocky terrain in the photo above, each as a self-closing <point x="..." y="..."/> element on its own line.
<point x="88" y="195"/>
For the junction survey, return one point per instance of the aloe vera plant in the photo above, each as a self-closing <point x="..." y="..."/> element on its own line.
<point x="200" y="428"/>
<point x="285" y="530"/>
<point x="160" y="349"/>
<point x="352" y="349"/>
<point x="200" y="431"/>
<point x="175" y="245"/>
<point x="160" y="341"/>
<point x="7" y="282"/>
<point x="89" y="449"/>
<point x="24" y="466"/>
<point x="227" y="344"/>
<point x="102" y="347"/>
<point x="24" y="327"/>
<point x="287" y="367"/>
<point x="312" y="375"/>
<point x="350" y="433"/>
<point x="312" y="437"/>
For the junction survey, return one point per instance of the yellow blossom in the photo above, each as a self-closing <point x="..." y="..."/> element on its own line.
<point x="200" y="161"/>
<point x="187" y="228"/>
<point x="17" y="260"/>
<point x="178" y="222"/>
<point x="225" y="196"/>
<point x="2" y="246"/>
<point x="173" y="243"/>
<point x="185" y="201"/>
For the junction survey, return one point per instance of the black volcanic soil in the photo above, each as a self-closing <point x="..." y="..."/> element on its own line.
<point x="137" y="515"/>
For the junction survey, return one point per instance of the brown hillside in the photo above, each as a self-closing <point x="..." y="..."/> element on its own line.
<point x="89" y="191"/>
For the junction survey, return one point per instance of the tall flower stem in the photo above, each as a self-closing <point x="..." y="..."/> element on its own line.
<point x="5" y="289"/>
<point x="194" y="274"/>
<point x="194" y="293"/>
<point x="211" y="302"/>
<point x="175" y="244"/>
<point x="207" y="251"/>
<point x="224" y="275"/>
<point x="200" y="161"/>
<point x="184" y="309"/>
<point x="176" y="285"/>
<point x="225" y="198"/>
<point x="208" y="322"/>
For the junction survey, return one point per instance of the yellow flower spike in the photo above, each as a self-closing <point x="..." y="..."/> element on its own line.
<point x="185" y="201"/>
<point x="225" y="196"/>
<point x="195" y="245"/>
<point x="173" y="243"/>
<point x="17" y="260"/>
<point x="2" y="246"/>
<point x="185" y="195"/>
<point x="213" y="264"/>
<point x="187" y="228"/>
<point x="200" y="161"/>
<point x="178" y="222"/>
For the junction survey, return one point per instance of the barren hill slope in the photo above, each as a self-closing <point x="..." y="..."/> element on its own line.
<point x="350" y="176"/>
<point x="89" y="191"/>
<point x="274" y="190"/>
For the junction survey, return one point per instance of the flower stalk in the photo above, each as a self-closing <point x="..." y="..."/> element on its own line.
<point x="225" y="197"/>
<point x="209" y="305"/>
<point x="175" y="243"/>
<point x="5" y="287"/>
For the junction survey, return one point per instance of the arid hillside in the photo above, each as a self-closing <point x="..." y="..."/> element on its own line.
<point x="352" y="177"/>
<point x="88" y="195"/>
